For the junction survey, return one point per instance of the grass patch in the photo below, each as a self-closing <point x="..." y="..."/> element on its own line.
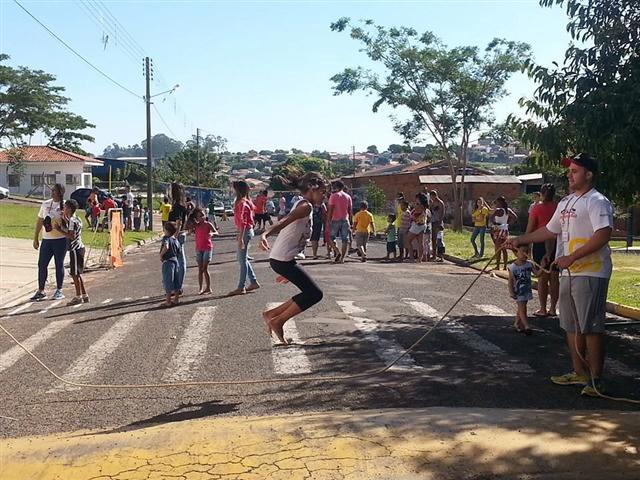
<point x="18" y="221"/>
<point x="624" y="287"/>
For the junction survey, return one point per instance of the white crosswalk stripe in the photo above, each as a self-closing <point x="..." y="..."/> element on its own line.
<point x="292" y="359"/>
<point x="108" y="300"/>
<point x="492" y="310"/>
<point x="20" y="308"/>
<point x="86" y="366"/>
<point x="192" y="347"/>
<point x="499" y="358"/>
<point x="50" y="306"/>
<point x="11" y="356"/>
<point x="387" y="350"/>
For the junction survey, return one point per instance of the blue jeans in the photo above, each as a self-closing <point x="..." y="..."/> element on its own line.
<point x="246" y="270"/>
<point x="56" y="248"/>
<point x="182" y="260"/>
<point x="478" y="231"/>
<point x="170" y="278"/>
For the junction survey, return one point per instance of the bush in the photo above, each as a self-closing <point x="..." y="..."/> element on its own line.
<point x="521" y="207"/>
<point x="375" y="197"/>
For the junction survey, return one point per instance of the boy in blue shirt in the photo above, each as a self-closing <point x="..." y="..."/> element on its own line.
<point x="170" y="249"/>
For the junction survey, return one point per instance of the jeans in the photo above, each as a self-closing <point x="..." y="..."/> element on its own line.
<point x="170" y="277"/>
<point x="245" y="265"/>
<point x="182" y="260"/>
<point x="478" y="231"/>
<point x="56" y="248"/>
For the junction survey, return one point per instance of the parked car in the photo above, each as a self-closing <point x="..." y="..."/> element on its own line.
<point x="81" y="195"/>
<point x="4" y="193"/>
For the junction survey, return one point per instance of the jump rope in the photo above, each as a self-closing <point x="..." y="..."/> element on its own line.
<point x="332" y="378"/>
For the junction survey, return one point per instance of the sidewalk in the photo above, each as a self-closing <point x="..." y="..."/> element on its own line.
<point x="429" y="443"/>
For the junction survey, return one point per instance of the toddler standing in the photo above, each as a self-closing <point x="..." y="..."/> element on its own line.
<point x="520" y="287"/>
<point x="169" y="251"/>
<point x="391" y="232"/>
<point x="203" y="230"/>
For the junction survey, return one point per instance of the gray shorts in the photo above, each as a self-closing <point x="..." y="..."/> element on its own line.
<point x="583" y="301"/>
<point x="361" y="239"/>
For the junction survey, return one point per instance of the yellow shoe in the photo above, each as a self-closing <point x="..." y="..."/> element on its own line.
<point x="570" y="379"/>
<point x="594" y="389"/>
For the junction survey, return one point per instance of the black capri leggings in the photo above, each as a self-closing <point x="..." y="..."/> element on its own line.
<point x="310" y="293"/>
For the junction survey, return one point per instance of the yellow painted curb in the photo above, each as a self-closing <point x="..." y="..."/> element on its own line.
<point x="430" y="443"/>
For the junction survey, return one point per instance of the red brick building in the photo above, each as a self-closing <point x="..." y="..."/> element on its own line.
<point x="411" y="179"/>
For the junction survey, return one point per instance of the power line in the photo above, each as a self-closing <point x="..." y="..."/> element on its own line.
<point x="128" y="36"/>
<point x="98" y="21"/>
<point x="115" y="82"/>
<point x="163" y="120"/>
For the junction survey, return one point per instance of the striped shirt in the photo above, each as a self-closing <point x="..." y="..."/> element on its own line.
<point x="75" y="226"/>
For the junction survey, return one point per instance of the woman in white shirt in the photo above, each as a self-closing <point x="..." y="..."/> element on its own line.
<point x="501" y="216"/>
<point x="293" y="232"/>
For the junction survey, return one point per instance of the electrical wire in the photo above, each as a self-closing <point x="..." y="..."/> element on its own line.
<point x="71" y="49"/>
<point x="163" y="120"/>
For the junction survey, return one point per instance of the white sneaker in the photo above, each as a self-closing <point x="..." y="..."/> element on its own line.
<point x="58" y="295"/>
<point x="300" y="256"/>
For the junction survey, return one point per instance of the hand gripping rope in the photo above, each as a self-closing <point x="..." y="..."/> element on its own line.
<point x="332" y="378"/>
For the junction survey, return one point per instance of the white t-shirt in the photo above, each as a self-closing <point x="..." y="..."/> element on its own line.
<point x="51" y="209"/>
<point x="292" y="239"/>
<point x="575" y="221"/>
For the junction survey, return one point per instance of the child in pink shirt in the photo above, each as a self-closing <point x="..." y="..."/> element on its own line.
<point x="203" y="230"/>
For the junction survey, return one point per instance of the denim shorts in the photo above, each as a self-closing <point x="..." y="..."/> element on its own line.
<point x="340" y="228"/>
<point x="203" y="256"/>
<point x="170" y="277"/>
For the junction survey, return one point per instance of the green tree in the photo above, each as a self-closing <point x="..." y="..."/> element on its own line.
<point x="30" y="103"/>
<point x="183" y="167"/>
<point x="16" y="165"/>
<point x="375" y="197"/>
<point x="395" y="148"/>
<point x="372" y="149"/>
<point x="590" y="103"/>
<point x="448" y="92"/>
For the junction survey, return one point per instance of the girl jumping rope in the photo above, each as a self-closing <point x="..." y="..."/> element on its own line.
<point x="293" y="230"/>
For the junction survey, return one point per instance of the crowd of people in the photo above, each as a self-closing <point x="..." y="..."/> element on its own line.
<point x="565" y="245"/>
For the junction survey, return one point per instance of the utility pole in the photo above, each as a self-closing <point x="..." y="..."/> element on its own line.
<point x="148" y="73"/>
<point x="353" y="152"/>
<point x="198" y="165"/>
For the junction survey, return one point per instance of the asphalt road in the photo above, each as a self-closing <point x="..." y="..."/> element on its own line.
<point x="370" y="313"/>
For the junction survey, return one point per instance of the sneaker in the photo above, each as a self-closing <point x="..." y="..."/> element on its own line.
<point x="38" y="296"/>
<point x="85" y="298"/>
<point x="570" y="379"/>
<point x="74" y="301"/>
<point x="58" y="295"/>
<point x="300" y="256"/>
<point x="593" y="388"/>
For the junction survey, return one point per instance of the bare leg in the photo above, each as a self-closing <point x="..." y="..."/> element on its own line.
<point x="522" y="313"/>
<point x="543" y="291"/>
<point x="81" y="282"/>
<point x="420" y="247"/>
<point x="596" y="352"/>
<point x="76" y="283"/>
<point x="207" y="277"/>
<point x="554" y="290"/>
<point x="277" y="323"/>
<point x="578" y="365"/>
<point x="269" y="315"/>
<point x="314" y="248"/>
<point x="200" y="275"/>
<point x="345" y="246"/>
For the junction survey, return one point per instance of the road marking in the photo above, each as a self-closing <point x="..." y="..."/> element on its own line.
<point x="108" y="300"/>
<point x="292" y="359"/>
<point x="77" y="306"/>
<point x="501" y="360"/>
<point x="492" y="310"/>
<point x="192" y="347"/>
<point x="20" y="308"/>
<point x="54" y="304"/>
<point x="144" y="297"/>
<point x="85" y="366"/>
<point x="618" y="368"/>
<point x="386" y="350"/>
<point x="127" y="299"/>
<point x="11" y="356"/>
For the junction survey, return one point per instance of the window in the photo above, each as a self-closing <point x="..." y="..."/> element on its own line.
<point x="13" y="180"/>
<point x="86" y="169"/>
<point x="72" y="179"/>
<point x="49" y="179"/>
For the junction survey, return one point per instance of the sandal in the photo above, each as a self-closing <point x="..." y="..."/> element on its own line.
<point x="541" y="314"/>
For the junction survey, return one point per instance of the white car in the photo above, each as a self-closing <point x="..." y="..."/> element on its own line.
<point x="4" y="193"/>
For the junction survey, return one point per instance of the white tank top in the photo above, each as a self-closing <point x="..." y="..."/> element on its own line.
<point x="292" y="239"/>
<point x="502" y="221"/>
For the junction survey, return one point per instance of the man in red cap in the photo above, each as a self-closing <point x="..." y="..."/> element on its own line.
<point x="582" y="223"/>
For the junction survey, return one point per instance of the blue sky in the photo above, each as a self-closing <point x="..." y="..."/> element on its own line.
<point x="255" y="72"/>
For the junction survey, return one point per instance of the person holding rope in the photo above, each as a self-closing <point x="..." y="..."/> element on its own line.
<point x="178" y="214"/>
<point x="582" y="224"/>
<point x="293" y="232"/>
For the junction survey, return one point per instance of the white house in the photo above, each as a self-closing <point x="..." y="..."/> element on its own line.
<point x="48" y="165"/>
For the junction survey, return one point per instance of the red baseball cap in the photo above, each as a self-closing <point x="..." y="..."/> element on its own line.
<point x="583" y="160"/>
